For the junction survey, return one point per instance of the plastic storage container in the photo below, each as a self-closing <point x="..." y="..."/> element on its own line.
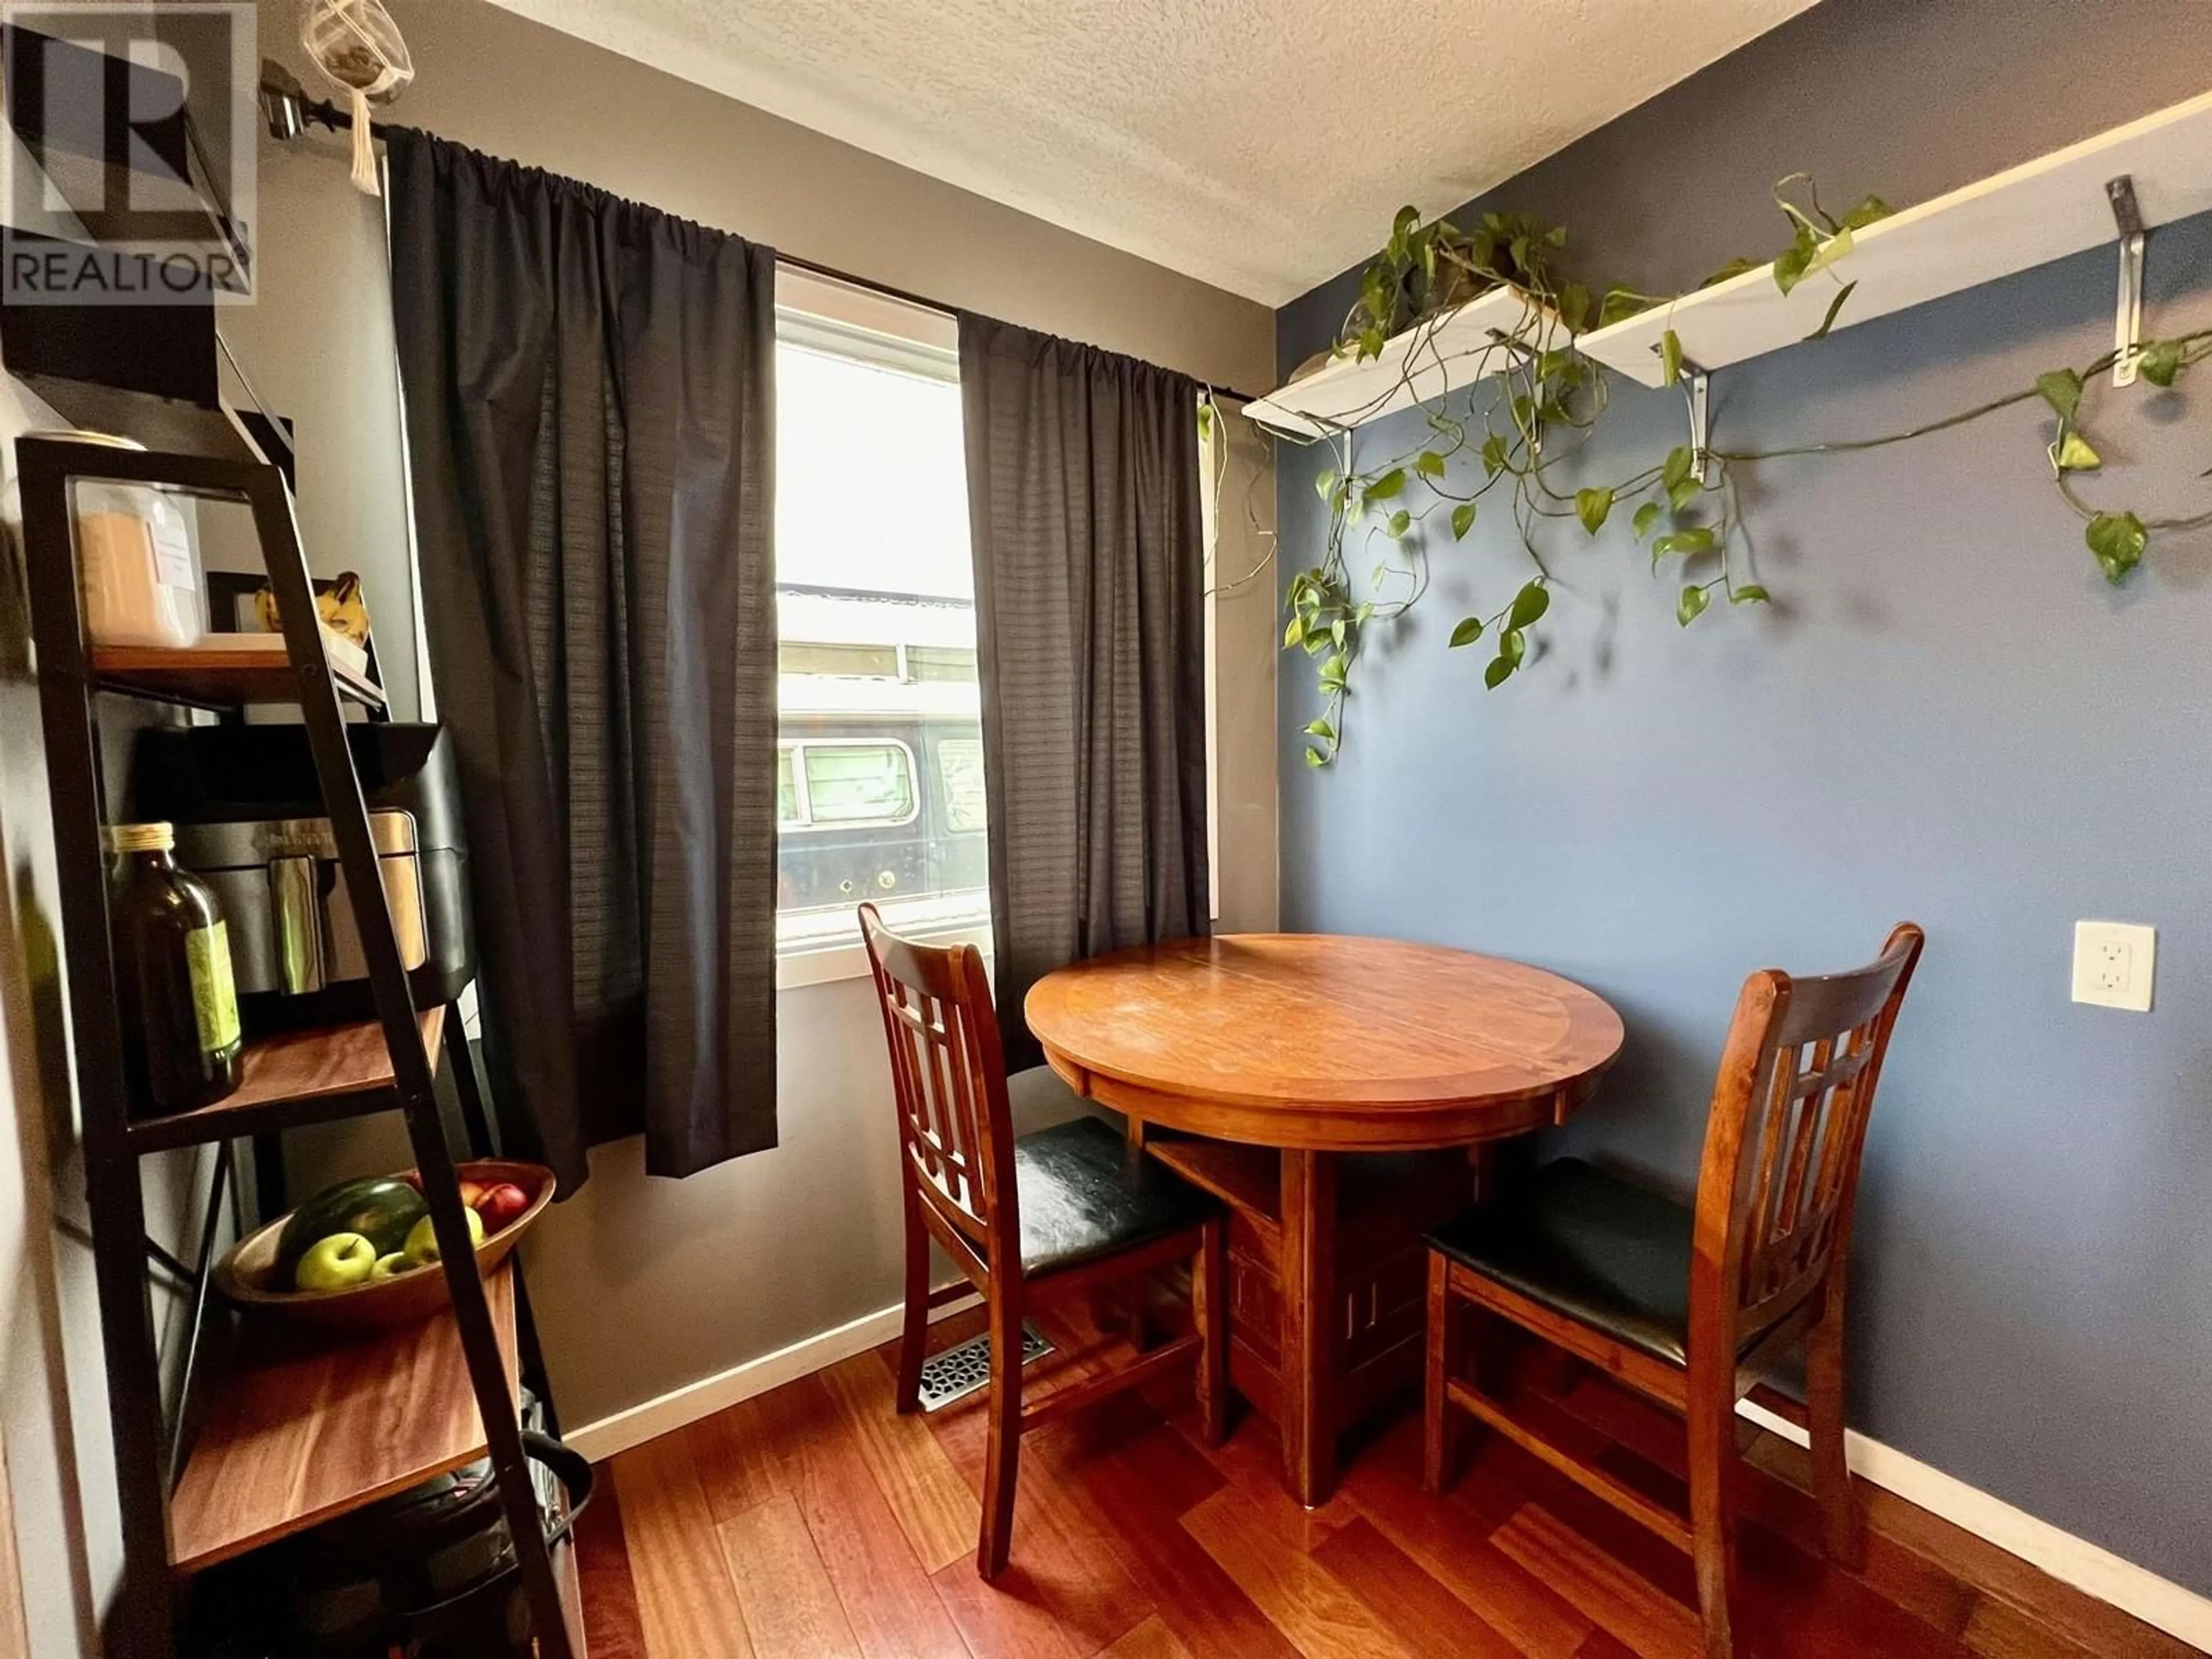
<point x="140" y="571"/>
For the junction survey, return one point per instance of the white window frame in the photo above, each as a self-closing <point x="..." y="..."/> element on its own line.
<point x="919" y="340"/>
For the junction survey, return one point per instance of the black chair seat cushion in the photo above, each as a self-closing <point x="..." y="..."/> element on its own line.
<point x="1605" y="1252"/>
<point x="1083" y="1196"/>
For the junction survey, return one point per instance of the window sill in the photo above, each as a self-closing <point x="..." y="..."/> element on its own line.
<point x="846" y="957"/>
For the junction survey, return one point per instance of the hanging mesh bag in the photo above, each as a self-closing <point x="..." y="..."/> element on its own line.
<point x="356" y="47"/>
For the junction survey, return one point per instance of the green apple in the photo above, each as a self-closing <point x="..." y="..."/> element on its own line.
<point x="422" y="1243"/>
<point x="335" y="1263"/>
<point x="391" y="1267"/>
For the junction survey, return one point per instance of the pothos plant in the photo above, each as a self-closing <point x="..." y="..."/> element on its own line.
<point x="1526" y="402"/>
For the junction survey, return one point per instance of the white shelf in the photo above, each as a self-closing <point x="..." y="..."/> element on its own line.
<point x="1446" y="351"/>
<point x="2042" y="211"/>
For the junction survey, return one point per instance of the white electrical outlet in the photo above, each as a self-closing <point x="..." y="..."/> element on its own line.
<point x="2114" y="964"/>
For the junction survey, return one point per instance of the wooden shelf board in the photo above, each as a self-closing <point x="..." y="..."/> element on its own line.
<point x="296" y="1068"/>
<point x="217" y="678"/>
<point x="2014" y="220"/>
<point x="1248" y="1177"/>
<point x="306" y="1428"/>
<point x="1446" y="351"/>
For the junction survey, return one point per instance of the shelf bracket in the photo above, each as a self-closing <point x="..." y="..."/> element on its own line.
<point x="2127" y="323"/>
<point x="1694" y="390"/>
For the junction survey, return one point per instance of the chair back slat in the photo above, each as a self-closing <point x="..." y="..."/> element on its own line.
<point x="1786" y="1136"/>
<point x="949" y="1079"/>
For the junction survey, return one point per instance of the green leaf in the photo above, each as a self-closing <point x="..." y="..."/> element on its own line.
<point x="1828" y="318"/>
<point x="1409" y="217"/>
<point x="1321" y="729"/>
<point x="1205" y="423"/>
<point x="1670" y="357"/>
<point x="1371" y="340"/>
<point x="1683" y="491"/>
<point x="1591" y="506"/>
<point x="1493" y="453"/>
<point x="2061" y="389"/>
<point x="1468" y="631"/>
<point x="1676" y="467"/>
<point x="1556" y="236"/>
<point x="1646" y="516"/>
<point x="1574" y="306"/>
<point x="1688" y="543"/>
<point x="1870" y="209"/>
<point x="1690" y="605"/>
<point x="1528" y="605"/>
<point x="1316" y="759"/>
<point x="1791" y="264"/>
<point x="1295" y="633"/>
<point x="1386" y="486"/>
<point x="2074" y="455"/>
<point x="1830" y="249"/>
<point x="1336" y="632"/>
<point x="2117" y="539"/>
<point x="1366" y="610"/>
<point x="2159" y="362"/>
<point x="1374" y="293"/>
<point x="1749" y="593"/>
<point x="1399" y="522"/>
<point x="1513" y="644"/>
<point x="1500" y="671"/>
<point x="1429" y="464"/>
<point x="1621" y="304"/>
<point x="1734" y="267"/>
<point x="1325" y="485"/>
<point x="1462" y="520"/>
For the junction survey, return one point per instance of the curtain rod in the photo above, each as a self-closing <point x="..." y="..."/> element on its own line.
<point x="289" y="112"/>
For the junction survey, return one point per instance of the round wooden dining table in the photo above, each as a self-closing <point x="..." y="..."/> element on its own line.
<point x="1261" y="1066"/>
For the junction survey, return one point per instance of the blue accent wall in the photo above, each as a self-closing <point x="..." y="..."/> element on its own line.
<point x="1946" y="715"/>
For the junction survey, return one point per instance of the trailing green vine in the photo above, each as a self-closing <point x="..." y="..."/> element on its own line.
<point x="1528" y="400"/>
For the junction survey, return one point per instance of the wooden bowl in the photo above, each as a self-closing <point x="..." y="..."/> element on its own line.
<point x="247" y="1275"/>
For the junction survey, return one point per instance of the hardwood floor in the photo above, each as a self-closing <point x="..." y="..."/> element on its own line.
<point x="811" y="1521"/>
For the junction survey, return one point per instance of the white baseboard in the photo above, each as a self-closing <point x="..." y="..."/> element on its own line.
<point x="2087" y="1567"/>
<point x="2094" y="1570"/>
<point x="694" y="1401"/>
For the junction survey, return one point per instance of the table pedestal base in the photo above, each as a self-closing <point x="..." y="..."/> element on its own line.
<point x="1328" y="1280"/>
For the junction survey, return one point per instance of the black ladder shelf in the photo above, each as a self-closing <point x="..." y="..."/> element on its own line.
<point x="387" y="1065"/>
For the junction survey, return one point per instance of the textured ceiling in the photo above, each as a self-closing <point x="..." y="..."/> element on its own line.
<point x="1260" y="145"/>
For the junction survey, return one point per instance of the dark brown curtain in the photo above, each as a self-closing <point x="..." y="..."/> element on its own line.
<point x="589" y="398"/>
<point x="1083" y="500"/>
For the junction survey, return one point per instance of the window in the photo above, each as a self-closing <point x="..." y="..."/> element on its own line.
<point x="880" y="766"/>
<point x="960" y="775"/>
<point x="874" y="662"/>
<point x="834" y="781"/>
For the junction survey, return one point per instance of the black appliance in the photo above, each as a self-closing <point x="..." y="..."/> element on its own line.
<point x="247" y="811"/>
<point x="429" y="1573"/>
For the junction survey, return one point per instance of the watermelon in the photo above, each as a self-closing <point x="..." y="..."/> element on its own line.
<point x="383" y="1209"/>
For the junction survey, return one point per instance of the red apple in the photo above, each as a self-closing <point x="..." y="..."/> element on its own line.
<point x="502" y="1205"/>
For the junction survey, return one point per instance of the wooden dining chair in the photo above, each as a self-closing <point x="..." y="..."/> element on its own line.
<point x="1694" y="1307"/>
<point x="1050" y="1214"/>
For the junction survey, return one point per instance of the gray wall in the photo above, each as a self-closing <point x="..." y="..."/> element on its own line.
<point x="1945" y="715"/>
<point x="643" y="1285"/>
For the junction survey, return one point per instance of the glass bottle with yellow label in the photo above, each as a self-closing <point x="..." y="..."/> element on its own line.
<point x="180" y="1036"/>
